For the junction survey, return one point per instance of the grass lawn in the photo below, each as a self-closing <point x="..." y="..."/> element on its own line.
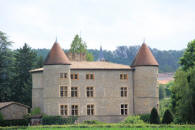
<point x="108" y="128"/>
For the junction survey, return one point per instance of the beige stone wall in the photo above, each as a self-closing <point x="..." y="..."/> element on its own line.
<point x="52" y="82"/>
<point x="14" y="111"/>
<point x="37" y="90"/>
<point x="145" y="88"/>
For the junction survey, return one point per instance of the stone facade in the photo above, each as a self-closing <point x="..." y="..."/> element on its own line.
<point x="110" y="82"/>
<point x="14" y="111"/>
<point x="142" y="91"/>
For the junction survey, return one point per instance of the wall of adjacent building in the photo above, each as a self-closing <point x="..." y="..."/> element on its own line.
<point x="14" y="111"/>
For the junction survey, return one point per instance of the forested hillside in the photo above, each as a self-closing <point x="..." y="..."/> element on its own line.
<point x="168" y="60"/>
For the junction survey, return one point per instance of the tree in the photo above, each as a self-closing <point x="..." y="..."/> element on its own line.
<point x="79" y="46"/>
<point x="22" y="83"/>
<point x="161" y="92"/>
<point x="154" y="117"/>
<point x="188" y="59"/>
<point x="6" y="65"/>
<point x="39" y="62"/>
<point x="167" y="117"/>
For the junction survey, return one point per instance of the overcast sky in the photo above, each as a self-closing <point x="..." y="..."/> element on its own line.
<point x="164" y="24"/>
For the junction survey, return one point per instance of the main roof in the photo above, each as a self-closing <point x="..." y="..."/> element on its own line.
<point x="92" y="65"/>
<point x="56" y="56"/>
<point x="144" y="57"/>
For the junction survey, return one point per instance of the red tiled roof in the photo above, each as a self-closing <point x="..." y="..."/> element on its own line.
<point x="56" y="56"/>
<point x="144" y="57"/>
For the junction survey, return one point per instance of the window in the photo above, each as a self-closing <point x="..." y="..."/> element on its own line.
<point x="90" y="109"/>
<point x="89" y="91"/>
<point x="63" y="75"/>
<point x="63" y="110"/>
<point x="90" y="76"/>
<point x="123" y="91"/>
<point x="74" y="110"/>
<point x="124" y="76"/>
<point x="123" y="109"/>
<point x="63" y="91"/>
<point x="74" y="91"/>
<point x="75" y="76"/>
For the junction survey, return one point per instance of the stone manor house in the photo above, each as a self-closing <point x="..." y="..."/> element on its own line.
<point x="96" y="90"/>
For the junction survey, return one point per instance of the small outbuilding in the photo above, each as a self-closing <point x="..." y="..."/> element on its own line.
<point x="13" y="110"/>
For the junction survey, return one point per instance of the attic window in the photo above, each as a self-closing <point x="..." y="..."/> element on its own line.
<point x="124" y="76"/>
<point x="90" y="76"/>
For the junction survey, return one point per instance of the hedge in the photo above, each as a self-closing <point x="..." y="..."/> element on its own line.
<point x="19" y="122"/>
<point x="58" y="120"/>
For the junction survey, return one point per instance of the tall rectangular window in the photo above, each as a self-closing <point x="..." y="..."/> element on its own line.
<point x="63" y="75"/>
<point x="75" y="76"/>
<point x="124" y="109"/>
<point x="90" y="109"/>
<point x="74" y="91"/>
<point x="89" y="91"/>
<point x="74" y="110"/>
<point x="123" y="91"/>
<point x="124" y="76"/>
<point x="90" y="76"/>
<point x="63" y="110"/>
<point x="63" y="91"/>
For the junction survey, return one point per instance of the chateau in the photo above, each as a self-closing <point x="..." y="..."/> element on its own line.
<point x="97" y="90"/>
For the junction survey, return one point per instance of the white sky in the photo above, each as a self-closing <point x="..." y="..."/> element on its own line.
<point x="165" y="24"/>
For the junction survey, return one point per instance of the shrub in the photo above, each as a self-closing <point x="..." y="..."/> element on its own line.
<point x="21" y="122"/>
<point x="35" y="111"/>
<point x="167" y="117"/>
<point x="1" y="116"/>
<point x="133" y="120"/>
<point x="92" y="122"/>
<point x="58" y="120"/>
<point x="145" y="118"/>
<point x="154" y="117"/>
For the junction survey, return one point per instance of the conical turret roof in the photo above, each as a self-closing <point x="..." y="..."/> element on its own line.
<point x="56" y="56"/>
<point x="144" y="57"/>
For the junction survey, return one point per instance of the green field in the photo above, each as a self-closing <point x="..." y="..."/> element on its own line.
<point x="108" y="129"/>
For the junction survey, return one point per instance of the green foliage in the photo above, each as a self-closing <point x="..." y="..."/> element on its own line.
<point x="58" y="120"/>
<point x="154" y="117"/>
<point x="145" y="117"/>
<point x="133" y="120"/>
<point x="1" y="116"/>
<point x="22" y="82"/>
<point x="89" y="56"/>
<point x="6" y="70"/>
<point x="162" y="93"/>
<point x="78" y="45"/>
<point x="92" y="122"/>
<point x="183" y="95"/>
<point x="20" y="122"/>
<point x="164" y="105"/>
<point x="188" y="59"/>
<point x="40" y="62"/>
<point x="167" y="117"/>
<point x="36" y="111"/>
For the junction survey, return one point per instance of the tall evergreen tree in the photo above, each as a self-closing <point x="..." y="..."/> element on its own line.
<point x="6" y="64"/>
<point x="154" y="117"/>
<point x="167" y="117"/>
<point x="25" y="61"/>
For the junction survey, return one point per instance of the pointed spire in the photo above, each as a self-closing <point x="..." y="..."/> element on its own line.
<point x="144" y="57"/>
<point x="101" y="55"/>
<point x="56" y="56"/>
<point x="56" y="40"/>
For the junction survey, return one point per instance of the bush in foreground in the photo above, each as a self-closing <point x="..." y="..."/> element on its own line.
<point x="145" y="117"/>
<point x="154" y="117"/>
<point x="92" y="122"/>
<point x="167" y="117"/>
<point x="58" y="120"/>
<point x="133" y="120"/>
